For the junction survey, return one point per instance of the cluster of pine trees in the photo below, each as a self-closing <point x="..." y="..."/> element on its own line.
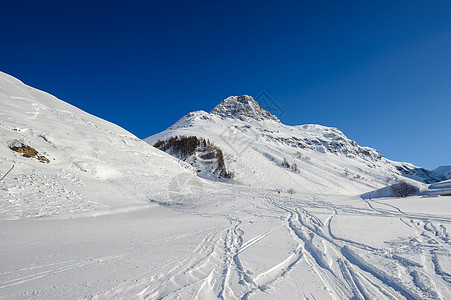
<point x="185" y="146"/>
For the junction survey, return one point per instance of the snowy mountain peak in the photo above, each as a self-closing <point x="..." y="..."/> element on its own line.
<point x="242" y="108"/>
<point x="260" y="150"/>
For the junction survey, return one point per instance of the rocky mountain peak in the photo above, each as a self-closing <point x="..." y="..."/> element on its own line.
<point x="242" y="108"/>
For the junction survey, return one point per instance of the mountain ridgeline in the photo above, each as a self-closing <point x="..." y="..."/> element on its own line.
<point x="256" y="146"/>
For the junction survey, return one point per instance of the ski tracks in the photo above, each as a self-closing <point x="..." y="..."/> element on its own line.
<point x="346" y="268"/>
<point x="36" y="272"/>
<point x="349" y="274"/>
<point x="433" y="243"/>
<point x="214" y="270"/>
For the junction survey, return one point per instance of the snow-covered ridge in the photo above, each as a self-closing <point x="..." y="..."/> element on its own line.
<point x="322" y="139"/>
<point x="308" y="136"/>
<point x="242" y="108"/>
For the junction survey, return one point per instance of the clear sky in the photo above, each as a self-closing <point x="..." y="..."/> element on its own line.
<point x="380" y="71"/>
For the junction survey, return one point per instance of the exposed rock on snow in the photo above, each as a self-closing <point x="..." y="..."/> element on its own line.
<point x="426" y="175"/>
<point x="242" y="108"/>
<point x="28" y="151"/>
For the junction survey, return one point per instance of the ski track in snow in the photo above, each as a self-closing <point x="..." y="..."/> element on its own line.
<point x="40" y="271"/>
<point x="221" y="266"/>
<point x="346" y="268"/>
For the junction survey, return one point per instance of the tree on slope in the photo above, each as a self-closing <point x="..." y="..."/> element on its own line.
<point x="402" y="189"/>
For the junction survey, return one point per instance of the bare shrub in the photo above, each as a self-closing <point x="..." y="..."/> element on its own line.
<point x="402" y="189"/>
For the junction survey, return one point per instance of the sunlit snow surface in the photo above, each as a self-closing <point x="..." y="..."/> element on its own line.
<point x="110" y="217"/>
<point x="93" y="164"/>
<point x="236" y="242"/>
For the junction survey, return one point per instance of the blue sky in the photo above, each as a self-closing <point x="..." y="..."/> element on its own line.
<point x="380" y="71"/>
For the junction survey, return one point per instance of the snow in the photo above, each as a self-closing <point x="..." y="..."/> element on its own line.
<point x="111" y="217"/>
<point x="94" y="165"/>
<point x="255" y="147"/>
<point x="443" y="170"/>
<point x="438" y="188"/>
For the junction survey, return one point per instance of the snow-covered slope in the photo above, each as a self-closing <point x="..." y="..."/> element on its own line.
<point x="443" y="171"/>
<point x="255" y="143"/>
<point x="93" y="164"/>
<point x="442" y="188"/>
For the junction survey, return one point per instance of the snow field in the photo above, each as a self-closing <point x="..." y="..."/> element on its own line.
<point x="258" y="245"/>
